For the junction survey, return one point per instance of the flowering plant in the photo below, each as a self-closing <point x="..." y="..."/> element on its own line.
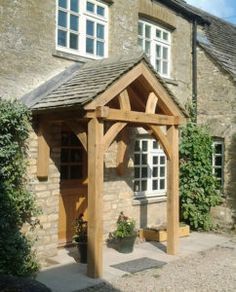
<point x="81" y="229"/>
<point x="125" y="227"/>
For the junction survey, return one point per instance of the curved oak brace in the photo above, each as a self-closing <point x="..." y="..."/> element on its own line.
<point x="158" y="133"/>
<point x="79" y="131"/>
<point x="111" y="134"/>
<point x="151" y="103"/>
<point x="124" y="100"/>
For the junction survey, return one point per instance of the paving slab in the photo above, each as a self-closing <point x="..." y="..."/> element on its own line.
<point x="65" y="274"/>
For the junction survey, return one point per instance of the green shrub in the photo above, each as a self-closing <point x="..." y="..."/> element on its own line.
<point x="17" y="205"/>
<point x="198" y="186"/>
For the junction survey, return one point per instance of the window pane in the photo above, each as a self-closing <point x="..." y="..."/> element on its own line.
<point x="162" y="171"/>
<point x="136" y="172"/>
<point x="144" y="172"/>
<point x="158" y="67"/>
<point x="61" y="39"/>
<point x="63" y="3"/>
<point x="164" y="67"/>
<point x="144" y="145"/>
<point x="64" y="172"/>
<point x="73" y="41"/>
<point x="74" y="141"/>
<point x="155" y="172"/>
<point x="65" y="155"/>
<point x="136" y="159"/>
<point x="165" y="36"/>
<point x="158" y="51"/>
<point x="155" y="185"/>
<point x="74" y="22"/>
<point x="140" y="43"/>
<point x="90" y="28"/>
<point x="218" y="160"/>
<point x="218" y="148"/>
<point x="100" y="11"/>
<point x="147" y="47"/>
<point x="137" y="147"/>
<point x="155" y="160"/>
<point x="89" y="46"/>
<point x="76" y="155"/>
<point x="136" y="186"/>
<point x="158" y="33"/>
<point x="162" y="184"/>
<point x="76" y="172"/>
<point x="144" y="159"/>
<point x="65" y="139"/>
<point x="218" y="172"/>
<point x="90" y="7"/>
<point x="140" y="28"/>
<point x="162" y="160"/>
<point x="147" y="31"/>
<point x="154" y="145"/>
<point x="100" y="49"/>
<point x="100" y="31"/>
<point x="144" y="185"/>
<point x="62" y="18"/>
<point x="165" y="53"/>
<point x="74" y="5"/>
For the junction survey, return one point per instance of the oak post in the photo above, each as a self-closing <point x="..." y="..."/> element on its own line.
<point x="95" y="200"/>
<point x="43" y="152"/>
<point x="173" y="193"/>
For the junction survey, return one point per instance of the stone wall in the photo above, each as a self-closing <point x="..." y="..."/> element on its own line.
<point x="46" y="192"/>
<point x="217" y="109"/>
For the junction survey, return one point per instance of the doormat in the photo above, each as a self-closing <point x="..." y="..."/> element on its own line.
<point x="139" y="265"/>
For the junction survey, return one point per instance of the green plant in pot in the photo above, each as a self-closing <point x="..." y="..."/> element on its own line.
<point x="123" y="238"/>
<point x="81" y="237"/>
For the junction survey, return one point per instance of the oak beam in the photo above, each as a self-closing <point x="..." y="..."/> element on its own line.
<point x="43" y="152"/>
<point x="124" y="100"/>
<point x="109" y="114"/>
<point x="151" y="103"/>
<point x="111" y="134"/>
<point x="173" y="193"/>
<point x="161" y="137"/>
<point x="79" y="131"/>
<point x="95" y="201"/>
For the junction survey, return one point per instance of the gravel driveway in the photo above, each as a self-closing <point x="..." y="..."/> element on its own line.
<point x="212" y="270"/>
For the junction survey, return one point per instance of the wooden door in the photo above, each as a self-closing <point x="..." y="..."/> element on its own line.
<point x="73" y="189"/>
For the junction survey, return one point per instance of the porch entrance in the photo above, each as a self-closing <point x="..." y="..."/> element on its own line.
<point x="73" y="188"/>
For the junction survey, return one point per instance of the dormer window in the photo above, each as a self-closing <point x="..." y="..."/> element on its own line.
<point x="82" y="27"/>
<point x="155" y="41"/>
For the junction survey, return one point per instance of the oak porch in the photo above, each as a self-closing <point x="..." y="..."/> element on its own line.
<point x="137" y="99"/>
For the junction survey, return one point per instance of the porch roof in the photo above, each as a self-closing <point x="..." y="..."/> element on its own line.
<point x="85" y="82"/>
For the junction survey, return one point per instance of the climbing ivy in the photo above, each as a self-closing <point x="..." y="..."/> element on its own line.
<point x="17" y="204"/>
<point x="198" y="186"/>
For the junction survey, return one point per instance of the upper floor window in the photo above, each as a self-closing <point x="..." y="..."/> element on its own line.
<point x="156" y="43"/>
<point x="218" y="160"/>
<point x="149" y="168"/>
<point x="82" y="27"/>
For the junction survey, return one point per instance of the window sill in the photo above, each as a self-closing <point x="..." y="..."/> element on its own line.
<point x="71" y="56"/>
<point x="148" y="200"/>
<point x="170" y="81"/>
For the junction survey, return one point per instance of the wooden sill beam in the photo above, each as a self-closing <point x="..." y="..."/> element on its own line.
<point x="109" y="114"/>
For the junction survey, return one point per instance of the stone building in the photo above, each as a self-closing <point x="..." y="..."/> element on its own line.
<point x="49" y="46"/>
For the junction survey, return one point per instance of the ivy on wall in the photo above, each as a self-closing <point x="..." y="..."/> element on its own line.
<point x="198" y="186"/>
<point x="17" y="204"/>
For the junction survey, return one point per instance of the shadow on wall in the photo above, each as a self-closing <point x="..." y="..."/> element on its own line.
<point x="231" y="188"/>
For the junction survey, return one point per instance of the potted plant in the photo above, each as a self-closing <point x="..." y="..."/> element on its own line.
<point x="123" y="238"/>
<point x="81" y="237"/>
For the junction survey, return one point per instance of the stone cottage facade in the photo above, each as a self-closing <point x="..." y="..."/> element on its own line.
<point x="43" y="45"/>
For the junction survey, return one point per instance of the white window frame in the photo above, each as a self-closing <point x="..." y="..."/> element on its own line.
<point x="216" y="142"/>
<point x="83" y="15"/>
<point x="154" y="41"/>
<point x="151" y="152"/>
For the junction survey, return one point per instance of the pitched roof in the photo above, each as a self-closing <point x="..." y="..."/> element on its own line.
<point x="218" y="38"/>
<point x="86" y="82"/>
